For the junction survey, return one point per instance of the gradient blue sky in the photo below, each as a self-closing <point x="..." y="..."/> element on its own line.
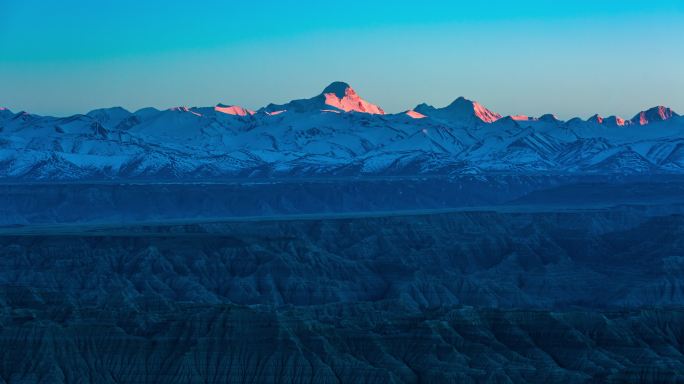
<point x="516" y="57"/>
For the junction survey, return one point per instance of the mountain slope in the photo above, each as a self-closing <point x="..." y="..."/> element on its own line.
<point x="461" y="110"/>
<point x="336" y="132"/>
<point x="338" y="96"/>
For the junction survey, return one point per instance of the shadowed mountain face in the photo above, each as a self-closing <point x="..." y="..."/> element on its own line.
<point x="517" y="293"/>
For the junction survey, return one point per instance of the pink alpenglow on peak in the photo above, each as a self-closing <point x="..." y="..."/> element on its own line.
<point x="415" y="115"/>
<point x="653" y="115"/>
<point x="342" y="96"/>
<point x="275" y="113"/>
<point x="615" y="120"/>
<point x="610" y="121"/>
<point x="235" y="110"/>
<point x="485" y="114"/>
<point x="337" y="96"/>
<point x="461" y="109"/>
<point x="596" y="119"/>
<point x="521" y="118"/>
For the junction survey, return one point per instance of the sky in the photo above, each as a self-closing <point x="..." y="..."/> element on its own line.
<point x="572" y="58"/>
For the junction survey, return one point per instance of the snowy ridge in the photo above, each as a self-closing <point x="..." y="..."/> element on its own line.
<point x="336" y="133"/>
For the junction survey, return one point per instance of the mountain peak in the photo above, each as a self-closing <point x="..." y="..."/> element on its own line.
<point x="461" y="101"/>
<point x="109" y="117"/>
<point x="460" y="109"/>
<point x="338" y="88"/>
<point x="336" y="97"/>
<point x="465" y="106"/>
<point x="655" y="114"/>
<point x="598" y="119"/>
<point x="615" y="120"/>
<point x="235" y="110"/>
<point x="609" y="121"/>
<point x="342" y="96"/>
<point x="549" y="118"/>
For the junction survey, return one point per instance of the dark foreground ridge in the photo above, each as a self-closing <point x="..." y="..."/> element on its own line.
<point x="588" y="295"/>
<point x="355" y="343"/>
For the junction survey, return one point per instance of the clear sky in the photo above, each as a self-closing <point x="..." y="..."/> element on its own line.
<point x="517" y="57"/>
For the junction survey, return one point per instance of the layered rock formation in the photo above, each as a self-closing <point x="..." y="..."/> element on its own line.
<point x="517" y="295"/>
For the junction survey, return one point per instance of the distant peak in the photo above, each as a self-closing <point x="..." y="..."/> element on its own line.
<point x="234" y="110"/>
<point x="339" y="88"/>
<point x="655" y="114"/>
<point x="549" y="117"/>
<point x="616" y="120"/>
<point x="480" y="111"/>
<point x="596" y="119"/>
<point x="338" y="97"/>
<point x="460" y="101"/>
<point x="343" y="97"/>
<point x="460" y="109"/>
<point x="146" y="110"/>
<point x="610" y="120"/>
<point x="109" y="111"/>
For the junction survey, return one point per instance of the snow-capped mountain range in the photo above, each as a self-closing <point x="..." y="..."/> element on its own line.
<point x="336" y="133"/>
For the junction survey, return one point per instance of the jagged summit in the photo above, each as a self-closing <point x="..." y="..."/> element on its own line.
<point x="339" y="88"/>
<point x="460" y="109"/>
<point x="615" y="121"/>
<point x="336" y="97"/>
<point x="596" y="119"/>
<point x="482" y="113"/>
<point x="342" y="96"/>
<point x="549" y="118"/>
<point x="655" y="114"/>
<point x="110" y="117"/>
<point x="234" y="110"/>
